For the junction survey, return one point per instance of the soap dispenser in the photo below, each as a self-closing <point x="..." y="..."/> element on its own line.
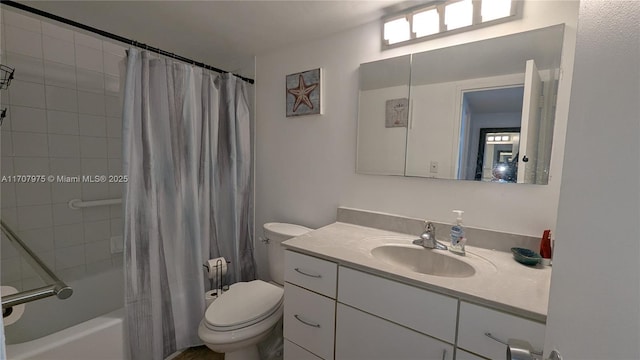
<point x="457" y="235"/>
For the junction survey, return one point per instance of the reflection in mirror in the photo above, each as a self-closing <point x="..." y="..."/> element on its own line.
<point x="504" y="82"/>
<point x="485" y="113"/>
<point x="383" y="116"/>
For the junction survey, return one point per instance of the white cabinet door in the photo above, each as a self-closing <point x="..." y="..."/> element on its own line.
<point x="367" y="337"/>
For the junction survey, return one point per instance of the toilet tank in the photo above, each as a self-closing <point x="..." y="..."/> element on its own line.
<point x="277" y="233"/>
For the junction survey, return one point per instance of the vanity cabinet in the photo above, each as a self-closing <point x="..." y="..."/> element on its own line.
<point x="333" y="311"/>
<point x="309" y="307"/>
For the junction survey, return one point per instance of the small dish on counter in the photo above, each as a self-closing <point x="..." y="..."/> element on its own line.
<point x="526" y="256"/>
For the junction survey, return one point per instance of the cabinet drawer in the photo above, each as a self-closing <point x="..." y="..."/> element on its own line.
<point x="295" y="352"/>
<point x="360" y="336"/>
<point x="309" y="320"/>
<point x="311" y="273"/>
<point x="476" y="320"/>
<point x="422" y="310"/>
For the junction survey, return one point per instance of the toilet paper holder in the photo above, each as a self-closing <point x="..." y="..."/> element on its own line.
<point x="218" y="285"/>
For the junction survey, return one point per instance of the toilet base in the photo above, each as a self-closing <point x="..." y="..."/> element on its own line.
<point x="246" y="353"/>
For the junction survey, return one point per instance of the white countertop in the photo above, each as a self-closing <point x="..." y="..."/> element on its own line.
<point x="499" y="281"/>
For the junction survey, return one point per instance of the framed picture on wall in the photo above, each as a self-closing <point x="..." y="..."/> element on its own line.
<point x="396" y="113"/>
<point x="304" y="93"/>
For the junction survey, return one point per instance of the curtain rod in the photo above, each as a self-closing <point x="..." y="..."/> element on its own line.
<point x="116" y="37"/>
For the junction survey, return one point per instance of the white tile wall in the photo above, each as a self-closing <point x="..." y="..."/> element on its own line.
<point x="64" y="118"/>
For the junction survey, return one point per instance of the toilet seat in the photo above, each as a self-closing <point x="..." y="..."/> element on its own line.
<point x="243" y="305"/>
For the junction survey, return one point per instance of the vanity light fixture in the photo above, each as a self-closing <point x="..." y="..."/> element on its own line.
<point x="444" y="17"/>
<point x="396" y="30"/>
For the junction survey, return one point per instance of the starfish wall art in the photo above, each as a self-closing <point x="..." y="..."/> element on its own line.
<point x="303" y="93"/>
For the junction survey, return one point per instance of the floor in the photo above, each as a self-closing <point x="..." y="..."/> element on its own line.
<point x="199" y="353"/>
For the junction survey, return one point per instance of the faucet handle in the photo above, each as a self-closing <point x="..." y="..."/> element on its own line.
<point x="428" y="226"/>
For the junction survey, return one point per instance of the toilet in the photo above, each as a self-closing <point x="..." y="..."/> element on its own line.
<point x="246" y="314"/>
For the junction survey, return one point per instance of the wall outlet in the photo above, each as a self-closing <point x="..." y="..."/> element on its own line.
<point x="433" y="167"/>
<point x="117" y="244"/>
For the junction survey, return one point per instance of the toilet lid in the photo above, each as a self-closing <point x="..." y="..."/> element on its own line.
<point x="244" y="304"/>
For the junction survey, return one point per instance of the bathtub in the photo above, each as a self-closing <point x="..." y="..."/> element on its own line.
<point x="100" y="338"/>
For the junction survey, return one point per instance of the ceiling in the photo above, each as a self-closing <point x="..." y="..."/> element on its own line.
<point x="225" y="34"/>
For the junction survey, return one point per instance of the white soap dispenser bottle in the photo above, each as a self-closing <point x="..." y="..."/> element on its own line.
<point x="457" y="235"/>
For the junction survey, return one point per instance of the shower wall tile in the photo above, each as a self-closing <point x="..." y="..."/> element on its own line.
<point x="25" y="93"/>
<point x="63" y="99"/>
<point x="97" y="231"/>
<point x="58" y="50"/>
<point x="65" y="166"/>
<point x="68" y="235"/>
<point x="64" y="118"/>
<point x="29" y="272"/>
<point x="39" y="240"/>
<point x="28" y="119"/>
<point x="112" y="64"/>
<point x="8" y="193"/>
<point x="97" y="251"/>
<point x="21" y="21"/>
<point x="61" y="75"/>
<point x="113" y="49"/>
<point x="92" y="125"/>
<point x="114" y="127"/>
<point x="64" y="146"/>
<point x="69" y="257"/>
<point x="114" y="148"/>
<point x="6" y="137"/>
<point x="62" y="122"/>
<point x="88" y="41"/>
<point x="91" y="81"/>
<point x="11" y="270"/>
<point x="30" y="144"/>
<point x="93" y="104"/>
<point x="64" y="215"/>
<point x="113" y="106"/>
<point x="31" y="165"/>
<point x="34" y="217"/>
<point x="7" y="251"/>
<point x="31" y="68"/>
<point x="89" y="58"/>
<point x="95" y="213"/>
<point x="72" y="273"/>
<point x="57" y="32"/>
<point x="63" y="192"/>
<point x="23" y="41"/>
<point x="99" y="266"/>
<point x="33" y="194"/>
<point x="111" y="84"/>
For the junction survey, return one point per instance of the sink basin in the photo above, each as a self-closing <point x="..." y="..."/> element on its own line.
<point x="425" y="261"/>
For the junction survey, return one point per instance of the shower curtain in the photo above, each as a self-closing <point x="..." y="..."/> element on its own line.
<point x="186" y="135"/>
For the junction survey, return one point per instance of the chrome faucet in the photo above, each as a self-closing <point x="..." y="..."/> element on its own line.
<point x="428" y="238"/>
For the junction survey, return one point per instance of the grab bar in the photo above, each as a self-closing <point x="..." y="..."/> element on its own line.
<point x="79" y="204"/>
<point x="56" y="286"/>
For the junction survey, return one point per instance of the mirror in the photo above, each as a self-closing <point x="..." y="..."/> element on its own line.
<point x="462" y="100"/>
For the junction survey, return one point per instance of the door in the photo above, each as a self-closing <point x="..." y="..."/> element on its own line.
<point x="530" y="124"/>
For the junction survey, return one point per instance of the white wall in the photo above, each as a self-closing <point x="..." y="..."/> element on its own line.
<point x="594" y="306"/>
<point x="305" y="166"/>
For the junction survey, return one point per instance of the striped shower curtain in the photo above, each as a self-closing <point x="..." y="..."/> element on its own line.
<point x="186" y="135"/>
